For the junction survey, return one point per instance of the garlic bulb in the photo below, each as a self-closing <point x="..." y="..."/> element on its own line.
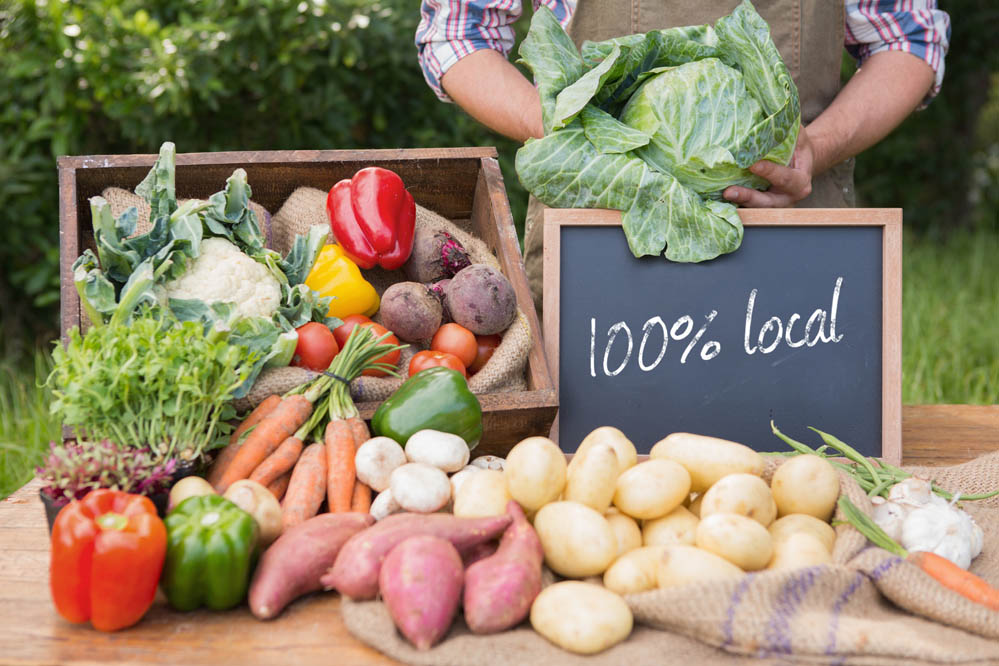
<point x="889" y="516"/>
<point x="920" y="520"/>
<point x="945" y="530"/>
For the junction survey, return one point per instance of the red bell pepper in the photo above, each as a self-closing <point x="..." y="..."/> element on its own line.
<point x="107" y="554"/>
<point x="373" y="218"/>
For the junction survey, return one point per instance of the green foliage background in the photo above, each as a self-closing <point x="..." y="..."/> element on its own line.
<point x="122" y="76"/>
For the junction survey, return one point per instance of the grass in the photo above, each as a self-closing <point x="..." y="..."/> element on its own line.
<point x="26" y="428"/>
<point x="950" y="346"/>
<point x="950" y="319"/>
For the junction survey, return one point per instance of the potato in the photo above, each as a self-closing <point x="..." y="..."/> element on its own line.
<point x="677" y="526"/>
<point x="745" y="494"/>
<point x="708" y="459"/>
<point x="593" y="480"/>
<point x="651" y="489"/>
<point x="458" y="478"/>
<point x="189" y="486"/>
<point x="581" y="617"/>
<point x="740" y="540"/>
<point x="535" y="472"/>
<point x="443" y="450"/>
<point x="627" y="455"/>
<point x="806" y="484"/>
<point x="781" y="528"/>
<point x="681" y="565"/>
<point x="797" y="550"/>
<point x="376" y="459"/>
<point x="695" y="504"/>
<point x="635" y="571"/>
<point x="577" y="540"/>
<point x="481" y="494"/>
<point x="626" y="531"/>
<point x="260" y="503"/>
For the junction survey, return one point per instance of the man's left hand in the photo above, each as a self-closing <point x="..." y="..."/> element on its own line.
<point x="788" y="184"/>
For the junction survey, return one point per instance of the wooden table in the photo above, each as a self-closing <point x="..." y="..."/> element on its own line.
<point x="310" y="630"/>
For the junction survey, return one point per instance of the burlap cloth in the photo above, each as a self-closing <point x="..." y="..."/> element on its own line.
<point x="869" y="607"/>
<point x="305" y="207"/>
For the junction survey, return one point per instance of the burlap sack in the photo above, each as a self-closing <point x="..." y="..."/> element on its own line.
<point x="505" y="370"/>
<point x="869" y="607"/>
<point x="121" y="200"/>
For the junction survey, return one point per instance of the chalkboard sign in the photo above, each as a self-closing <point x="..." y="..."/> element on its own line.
<point x="802" y="325"/>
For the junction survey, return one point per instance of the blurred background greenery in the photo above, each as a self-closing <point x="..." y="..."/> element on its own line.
<point x="122" y="76"/>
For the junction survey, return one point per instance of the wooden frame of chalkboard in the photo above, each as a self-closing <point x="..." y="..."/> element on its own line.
<point x="888" y="221"/>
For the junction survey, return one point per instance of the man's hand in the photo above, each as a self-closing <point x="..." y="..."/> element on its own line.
<point x="788" y="184"/>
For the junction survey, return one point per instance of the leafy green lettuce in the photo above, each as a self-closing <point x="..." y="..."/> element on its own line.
<point x="658" y="125"/>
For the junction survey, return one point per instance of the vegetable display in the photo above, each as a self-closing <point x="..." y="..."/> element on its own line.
<point x="373" y="217"/>
<point x="657" y="125"/>
<point x="107" y="553"/>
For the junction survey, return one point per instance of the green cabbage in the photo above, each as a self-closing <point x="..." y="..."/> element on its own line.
<point x="658" y="125"/>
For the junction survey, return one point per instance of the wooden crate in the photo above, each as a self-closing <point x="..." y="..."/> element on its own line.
<point x="462" y="184"/>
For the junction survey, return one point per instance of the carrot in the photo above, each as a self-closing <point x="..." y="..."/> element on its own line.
<point x="953" y="577"/>
<point x="340" y="474"/>
<point x="226" y="455"/>
<point x="279" y="462"/>
<point x="945" y="572"/>
<point x="360" y="501"/>
<point x="276" y="427"/>
<point x="306" y="488"/>
<point x="279" y="486"/>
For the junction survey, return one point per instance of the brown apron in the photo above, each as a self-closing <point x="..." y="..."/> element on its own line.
<point x="808" y="34"/>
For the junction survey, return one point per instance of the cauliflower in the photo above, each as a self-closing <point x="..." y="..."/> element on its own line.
<point x="223" y="273"/>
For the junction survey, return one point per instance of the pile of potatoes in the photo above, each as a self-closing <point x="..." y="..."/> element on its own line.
<point x="697" y="510"/>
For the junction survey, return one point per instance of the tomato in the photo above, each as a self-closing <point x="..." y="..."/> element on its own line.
<point x="392" y="358"/>
<point x="485" y="346"/>
<point x="455" y="339"/>
<point x="432" y="359"/>
<point x="342" y="332"/>
<point x="316" y="347"/>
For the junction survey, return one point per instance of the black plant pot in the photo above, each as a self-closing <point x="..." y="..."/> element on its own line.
<point x="52" y="509"/>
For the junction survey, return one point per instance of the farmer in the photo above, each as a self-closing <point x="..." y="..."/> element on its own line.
<point x="899" y="44"/>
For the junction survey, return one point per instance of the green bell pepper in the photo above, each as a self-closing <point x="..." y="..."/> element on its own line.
<point x="437" y="399"/>
<point x="211" y="552"/>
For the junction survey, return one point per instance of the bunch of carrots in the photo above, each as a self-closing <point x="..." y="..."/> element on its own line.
<point x="269" y="446"/>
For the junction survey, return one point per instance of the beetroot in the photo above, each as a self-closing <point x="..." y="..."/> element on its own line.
<point x="439" y="289"/>
<point x="482" y="300"/>
<point x="420" y="582"/>
<point x="500" y="589"/>
<point x="411" y="311"/>
<point x="436" y="255"/>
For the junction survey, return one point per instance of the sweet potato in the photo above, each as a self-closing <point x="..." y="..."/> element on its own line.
<point x="500" y="589"/>
<point x="355" y="572"/>
<point x="481" y="299"/>
<point x="409" y="310"/>
<point x="420" y="582"/>
<point x="293" y="564"/>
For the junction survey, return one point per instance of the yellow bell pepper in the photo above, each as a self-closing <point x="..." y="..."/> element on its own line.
<point x="334" y="274"/>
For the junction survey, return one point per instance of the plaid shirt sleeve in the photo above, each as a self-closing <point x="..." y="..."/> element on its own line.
<point x="449" y="30"/>
<point x="913" y="26"/>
